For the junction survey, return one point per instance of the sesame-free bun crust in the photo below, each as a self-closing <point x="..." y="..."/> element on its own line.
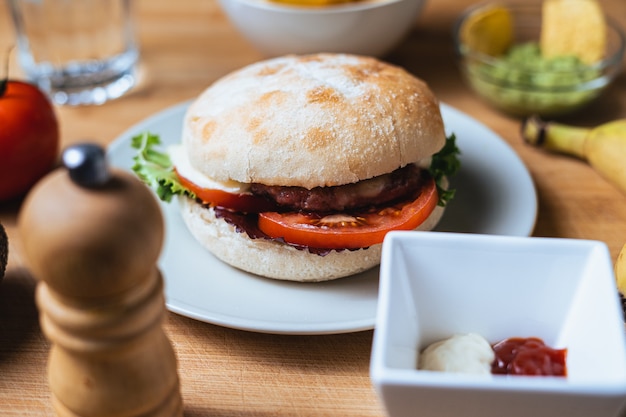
<point x="315" y="120"/>
<point x="273" y="259"/>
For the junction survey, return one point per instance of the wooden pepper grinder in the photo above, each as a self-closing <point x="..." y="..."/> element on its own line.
<point x="92" y="237"/>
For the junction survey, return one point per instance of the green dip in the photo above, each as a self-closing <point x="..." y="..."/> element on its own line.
<point x="522" y="82"/>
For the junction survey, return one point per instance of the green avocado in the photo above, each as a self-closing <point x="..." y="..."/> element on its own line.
<point x="523" y="82"/>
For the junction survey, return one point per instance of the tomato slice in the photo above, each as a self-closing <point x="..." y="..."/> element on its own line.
<point x="243" y="202"/>
<point x="353" y="230"/>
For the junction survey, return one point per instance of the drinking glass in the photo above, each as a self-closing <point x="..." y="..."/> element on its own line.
<point x="79" y="52"/>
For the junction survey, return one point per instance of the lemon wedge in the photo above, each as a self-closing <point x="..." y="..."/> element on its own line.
<point x="573" y="27"/>
<point x="488" y="30"/>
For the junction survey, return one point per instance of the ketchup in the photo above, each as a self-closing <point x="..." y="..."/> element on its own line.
<point x="528" y="356"/>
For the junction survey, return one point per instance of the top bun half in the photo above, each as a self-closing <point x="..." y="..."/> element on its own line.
<point x="309" y="121"/>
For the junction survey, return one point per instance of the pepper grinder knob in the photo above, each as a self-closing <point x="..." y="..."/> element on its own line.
<point x="86" y="164"/>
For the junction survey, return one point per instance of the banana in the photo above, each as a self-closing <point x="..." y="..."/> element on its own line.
<point x="603" y="147"/>
<point x="620" y="271"/>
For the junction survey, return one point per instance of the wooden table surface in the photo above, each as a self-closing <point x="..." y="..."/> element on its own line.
<point x="185" y="46"/>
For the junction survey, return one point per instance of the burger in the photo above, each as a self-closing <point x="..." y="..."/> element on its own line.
<point x="295" y="168"/>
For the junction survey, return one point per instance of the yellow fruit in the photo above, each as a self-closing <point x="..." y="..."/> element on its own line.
<point x="620" y="271"/>
<point x="603" y="147"/>
<point x="488" y="30"/>
<point x="573" y="27"/>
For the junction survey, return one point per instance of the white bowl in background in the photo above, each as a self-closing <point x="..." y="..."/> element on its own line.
<point x="434" y="285"/>
<point x="367" y="27"/>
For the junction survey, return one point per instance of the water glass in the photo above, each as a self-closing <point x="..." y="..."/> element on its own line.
<point x="80" y="52"/>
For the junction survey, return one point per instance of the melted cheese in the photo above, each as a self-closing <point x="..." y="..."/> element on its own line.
<point x="179" y="156"/>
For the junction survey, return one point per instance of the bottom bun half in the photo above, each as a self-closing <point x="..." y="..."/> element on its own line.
<point x="276" y="260"/>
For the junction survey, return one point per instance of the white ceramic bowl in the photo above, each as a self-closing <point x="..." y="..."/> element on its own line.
<point x="367" y="27"/>
<point x="434" y="285"/>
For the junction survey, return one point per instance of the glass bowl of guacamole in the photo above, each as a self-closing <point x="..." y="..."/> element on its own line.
<point x="511" y="74"/>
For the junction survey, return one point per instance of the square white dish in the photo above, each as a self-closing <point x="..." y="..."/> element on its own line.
<point x="434" y="285"/>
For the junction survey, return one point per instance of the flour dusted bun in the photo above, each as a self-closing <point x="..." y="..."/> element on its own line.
<point x="273" y="259"/>
<point x="300" y="132"/>
<point x="308" y="121"/>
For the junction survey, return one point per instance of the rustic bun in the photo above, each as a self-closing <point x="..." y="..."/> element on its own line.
<point x="273" y="259"/>
<point x="316" y="120"/>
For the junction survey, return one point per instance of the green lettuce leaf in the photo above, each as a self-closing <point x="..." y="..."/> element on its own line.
<point x="155" y="167"/>
<point x="445" y="164"/>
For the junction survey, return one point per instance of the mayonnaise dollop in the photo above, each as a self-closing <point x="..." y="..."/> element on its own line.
<point x="462" y="353"/>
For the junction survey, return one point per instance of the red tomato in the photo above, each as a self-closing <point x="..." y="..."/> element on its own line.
<point x="246" y="203"/>
<point x="351" y="231"/>
<point x="29" y="138"/>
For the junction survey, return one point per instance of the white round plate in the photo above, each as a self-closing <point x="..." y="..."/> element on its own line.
<point x="495" y="195"/>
